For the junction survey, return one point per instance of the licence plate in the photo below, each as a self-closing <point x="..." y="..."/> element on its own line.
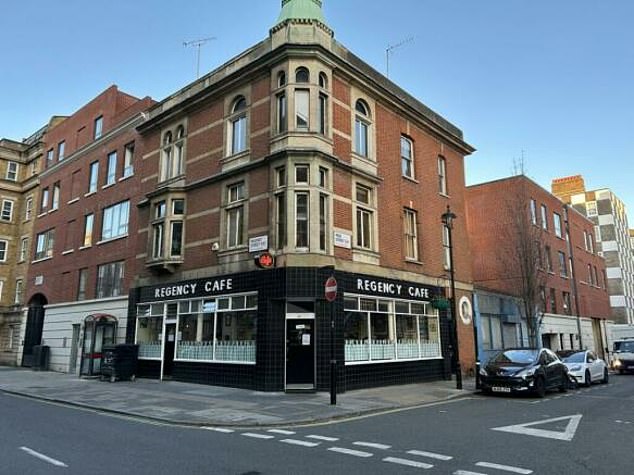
<point x="500" y="389"/>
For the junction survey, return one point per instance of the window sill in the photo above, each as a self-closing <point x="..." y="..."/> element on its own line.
<point x="90" y="193"/>
<point x="81" y="248"/>
<point x="364" y="158"/>
<point x="409" y="260"/>
<point x="116" y="238"/>
<point x="237" y="155"/>
<point x="410" y="178"/>
<point x="74" y="200"/>
<point x="42" y="214"/>
<point x="126" y="177"/>
<point x="42" y="259"/>
<point x="52" y="210"/>
<point x="108" y="185"/>
<point x="70" y="251"/>
<point x="444" y="195"/>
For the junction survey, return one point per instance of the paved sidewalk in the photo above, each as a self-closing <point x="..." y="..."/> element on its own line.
<point x="201" y="405"/>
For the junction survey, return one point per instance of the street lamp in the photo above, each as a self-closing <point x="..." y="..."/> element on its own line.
<point x="447" y="219"/>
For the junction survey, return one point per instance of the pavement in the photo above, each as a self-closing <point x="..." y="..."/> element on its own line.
<point x="172" y="402"/>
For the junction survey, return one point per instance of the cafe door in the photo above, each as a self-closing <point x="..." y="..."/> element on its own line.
<point x="168" y="350"/>
<point x="300" y="354"/>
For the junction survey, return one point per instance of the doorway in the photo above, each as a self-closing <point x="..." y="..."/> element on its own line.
<point x="300" y="354"/>
<point x="34" y="327"/>
<point x="168" y="350"/>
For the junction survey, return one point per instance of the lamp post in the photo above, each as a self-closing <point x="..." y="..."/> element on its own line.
<point x="447" y="219"/>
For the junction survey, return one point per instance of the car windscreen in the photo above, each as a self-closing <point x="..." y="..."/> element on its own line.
<point x="515" y="357"/>
<point x="625" y="346"/>
<point x="578" y="357"/>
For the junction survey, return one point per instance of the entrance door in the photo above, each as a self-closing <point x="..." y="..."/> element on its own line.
<point x="34" y="327"/>
<point x="300" y="354"/>
<point x="74" y="347"/>
<point x="168" y="351"/>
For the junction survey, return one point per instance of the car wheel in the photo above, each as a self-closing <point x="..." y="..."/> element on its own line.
<point x="606" y="376"/>
<point x="540" y="387"/>
<point x="563" y="385"/>
<point x="587" y="379"/>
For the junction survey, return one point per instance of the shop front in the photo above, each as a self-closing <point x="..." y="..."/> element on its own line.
<point x="270" y="330"/>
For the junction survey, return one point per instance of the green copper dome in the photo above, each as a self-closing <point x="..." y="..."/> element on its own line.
<point x="301" y="10"/>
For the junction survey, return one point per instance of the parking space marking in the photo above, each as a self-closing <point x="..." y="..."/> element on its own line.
<point x="506" y="468"/>
<point x="323" y="437"/>
<point x="431" y="455"/>
<point x="220" y="429"/>
<point x="303" y="443"/>
<point x="281" y="431"/>
<point x="355" y="453"/>
<point x="373" y="445"/>
<point x="408" y="463"/>
<point x="467" y="472"/>
<point x="258" y="436"/>
<point x="43" y="457"/>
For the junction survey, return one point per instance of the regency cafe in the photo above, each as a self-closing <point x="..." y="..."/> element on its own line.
<point x="270" y="330"/>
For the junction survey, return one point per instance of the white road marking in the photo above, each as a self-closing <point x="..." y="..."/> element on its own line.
<point x="467" y="472"/>
<point x="431" y="455"/>
<point x="356" y="453"/>
<point x="281" y="431"/>
<point x="258" y="436"/>
<point x="506" y="468"/>
<point x="409" y="463"/>
<point x="303" y="443"/>
<point x="373" y="445"/>
<point x="220" y="429"/>
<point x="323" y="437"/>
<point x="526" y="429"/>
<point x="43" y="457"/>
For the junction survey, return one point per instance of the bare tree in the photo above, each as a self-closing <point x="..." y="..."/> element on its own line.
<point x="523" y="258"/>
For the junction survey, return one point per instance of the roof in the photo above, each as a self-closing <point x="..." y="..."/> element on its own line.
<point x="301" y="10"/>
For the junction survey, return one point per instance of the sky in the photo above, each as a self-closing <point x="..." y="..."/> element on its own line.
<point x="549" y="84"/>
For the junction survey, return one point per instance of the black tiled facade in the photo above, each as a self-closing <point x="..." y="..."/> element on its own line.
<point x="274" y="288"/>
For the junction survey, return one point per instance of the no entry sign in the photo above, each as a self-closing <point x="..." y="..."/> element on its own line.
<point x="330" y="289"/>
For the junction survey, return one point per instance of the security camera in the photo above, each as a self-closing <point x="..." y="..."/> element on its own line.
<point x="215" y="246"/>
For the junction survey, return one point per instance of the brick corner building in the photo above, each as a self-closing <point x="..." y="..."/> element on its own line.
<point x="299" y="150"/>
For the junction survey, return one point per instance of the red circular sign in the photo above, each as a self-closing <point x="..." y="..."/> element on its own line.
<point x="331" y="289"/>
<point x="265" y="260"/>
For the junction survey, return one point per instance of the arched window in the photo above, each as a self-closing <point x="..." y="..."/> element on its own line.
<point x="281" y="79"/>
<point x="302" y="75"/>
<point x="362" y="128"/>
<point x="323" y="81"/>
<point x="323" y="105"/>
<point x="238" y="125"/>
<point x="178" y="149"/>
<point x="167" y="157"/>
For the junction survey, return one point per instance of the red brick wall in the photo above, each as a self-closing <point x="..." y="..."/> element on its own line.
<point x="489" y="220"/>
<point x="61" y="272"/>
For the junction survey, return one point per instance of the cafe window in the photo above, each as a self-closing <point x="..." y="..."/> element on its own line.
<point x="219" y="329"/>
<point x="379" y="330"/>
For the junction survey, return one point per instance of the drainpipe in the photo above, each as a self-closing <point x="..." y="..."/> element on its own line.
<point x="573" y="276"/>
